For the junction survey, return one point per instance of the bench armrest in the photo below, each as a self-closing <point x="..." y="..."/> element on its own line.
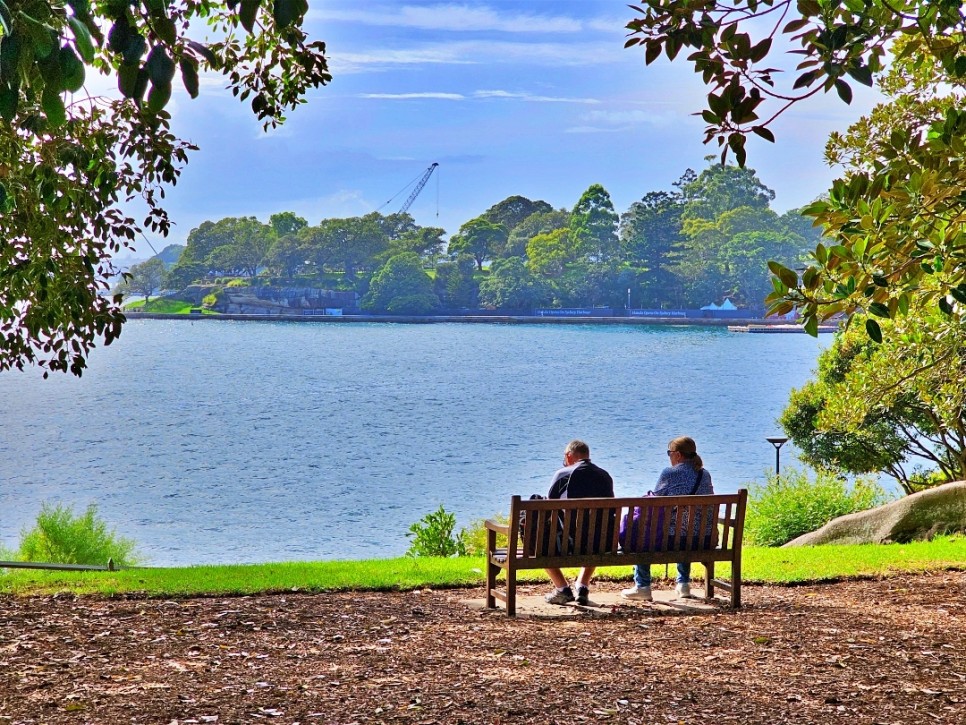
<point x="497" y="527"/>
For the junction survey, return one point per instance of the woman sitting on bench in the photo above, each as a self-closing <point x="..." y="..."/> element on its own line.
<point x="686" y="476"/>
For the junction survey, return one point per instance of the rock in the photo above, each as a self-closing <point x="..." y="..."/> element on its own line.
<point x="919" y="516"/>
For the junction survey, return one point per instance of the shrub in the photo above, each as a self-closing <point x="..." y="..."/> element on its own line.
<point x="432" y="535"/>
<point x="61" y="537"/>
<point x="792" y="505"/>
<point x="474" y="536"/>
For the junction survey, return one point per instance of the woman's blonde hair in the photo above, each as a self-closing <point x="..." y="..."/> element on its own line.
<point x="689" y="449"/>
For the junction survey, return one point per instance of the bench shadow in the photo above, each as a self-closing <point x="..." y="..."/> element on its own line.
<point x="611" y="604"/>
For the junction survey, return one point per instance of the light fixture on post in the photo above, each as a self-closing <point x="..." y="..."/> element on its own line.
<point x="778" y="442"/>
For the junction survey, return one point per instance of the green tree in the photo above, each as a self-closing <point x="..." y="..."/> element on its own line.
<point x="144" y="279"/>
<point x="427" y="242"/>
<point x="510" y="213"/>
<point x="401" y="287"/>
<point x="286" y="222"/>
<point x="593" y="226"/>
<point x="69" y="170"/>
<point x="511" y="286"/>
<point x="356" y="244"/>
<point x="456" y="283"/>
<point x="480" y="239"/>
<point x="287" y="256"/>
<point x="548" y="254"/>
<point x="888" y="407"/>
<point x="650" y="232"/>
<point x="536" y="223"/>
<point x="723" y="187"/>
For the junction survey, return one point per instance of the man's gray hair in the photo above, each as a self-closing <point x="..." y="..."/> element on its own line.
<point x="578" y="448"/>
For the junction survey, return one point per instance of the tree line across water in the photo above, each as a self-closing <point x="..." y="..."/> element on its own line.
<point x="707" y="239"/>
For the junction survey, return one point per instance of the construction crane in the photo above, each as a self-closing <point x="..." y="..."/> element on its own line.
<point x="419" y="188"/>
<point x="412" y="197"/>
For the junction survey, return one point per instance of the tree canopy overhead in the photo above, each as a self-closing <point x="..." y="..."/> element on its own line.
<point x="69" y="161"/>
<point x="896" y="217"/>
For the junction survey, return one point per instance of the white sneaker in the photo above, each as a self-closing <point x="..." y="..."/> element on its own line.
<point x="683" y="591"/>
<point x="640" y="593"/>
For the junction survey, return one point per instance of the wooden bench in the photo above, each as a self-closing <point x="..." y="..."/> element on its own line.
<point x="543" y="533"/>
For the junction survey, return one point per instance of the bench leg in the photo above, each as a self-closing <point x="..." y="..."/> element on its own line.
<point x="736" y="583"/>
<point x="709" y="580"/>
<point x="511" y="593"/>
<point x="492" y="570"/>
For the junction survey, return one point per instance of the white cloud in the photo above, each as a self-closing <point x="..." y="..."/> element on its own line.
<point x="477" y="95"/>
<point x="454" y="17"/>
<point x="532" y="98"/>
<point x="554" y="55"/>
<point x="411" y="96"/>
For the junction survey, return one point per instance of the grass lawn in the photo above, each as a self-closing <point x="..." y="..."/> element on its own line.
<point x="165" y="306"/>
<point x="763" y="565"/>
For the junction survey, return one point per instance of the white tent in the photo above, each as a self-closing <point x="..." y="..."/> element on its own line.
<point x="727" y="305"/>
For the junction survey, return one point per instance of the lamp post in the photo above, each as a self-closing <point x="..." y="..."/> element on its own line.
<point x="628" y="298"/>
<point x="778" y="442"/>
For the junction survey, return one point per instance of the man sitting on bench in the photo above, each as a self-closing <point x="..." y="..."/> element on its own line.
<point x="579" y="478"/>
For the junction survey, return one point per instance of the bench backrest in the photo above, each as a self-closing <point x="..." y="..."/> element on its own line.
<point x="541" y="528"/>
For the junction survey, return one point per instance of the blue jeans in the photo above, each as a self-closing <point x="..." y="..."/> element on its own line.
<point x="642" y="574"/>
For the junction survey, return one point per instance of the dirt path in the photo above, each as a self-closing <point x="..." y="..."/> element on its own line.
<point x="871" y="652"/>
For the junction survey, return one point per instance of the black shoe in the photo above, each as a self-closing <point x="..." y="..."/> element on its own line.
<point x="564" y="597"/>
<point x="583" y="596"/>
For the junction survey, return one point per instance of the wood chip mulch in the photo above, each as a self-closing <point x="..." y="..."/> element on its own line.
<point x="883" y="652"/>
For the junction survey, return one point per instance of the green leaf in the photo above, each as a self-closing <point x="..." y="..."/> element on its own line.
<point x="844" y="90"/>
<point x="127" y="76"/>
<point x="165" y="29"/>
<point x="862" y="74"/>
<point x="158" y="97"/>
<point x="787" y="276"/>
<point x="53" y="106"/>
<point x="760" y="50"/>
<point x="118" y="35"/>
<point x="287" y="12"/>
<point x="71" y="69"/>
<point x="945" y="306"/>
<point x="247" y="13"/>
<point x="763" y="133"/>
<point x="879" y="310"/>
<point x="204" y="52"/>
<point x="189" y="76"/>
<point x="873" y="330"/>
<point x="136" y="45"/>
<point x="903" y="303"/>
<point x="6" y="20"/>
<point x="82" y="39"/>
<point x="141" y="84"/>
<point x="959" y="293"/>
<point x="160" y="66"/>
<point x="9" y="99"/>
<point x="811" y="325"/>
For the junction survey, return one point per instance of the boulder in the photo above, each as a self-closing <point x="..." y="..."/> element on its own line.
<point x="921" y="515"/>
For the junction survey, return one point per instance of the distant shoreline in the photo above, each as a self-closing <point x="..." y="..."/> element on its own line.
<point x="743" y="322"/>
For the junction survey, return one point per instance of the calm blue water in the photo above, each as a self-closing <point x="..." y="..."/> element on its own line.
<point x="224" y="442"/>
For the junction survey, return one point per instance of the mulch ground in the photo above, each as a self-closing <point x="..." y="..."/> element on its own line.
<point x="875" y="652"/>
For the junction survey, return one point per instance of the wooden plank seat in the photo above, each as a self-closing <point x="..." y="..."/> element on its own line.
<point x="546" y="533"/>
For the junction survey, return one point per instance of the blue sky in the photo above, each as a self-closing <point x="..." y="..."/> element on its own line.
<point x="535" y="98"/>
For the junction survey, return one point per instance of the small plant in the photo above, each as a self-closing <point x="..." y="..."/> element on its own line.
<point x="791" y="505"/>
<point x="432" y="535"/>
<point x="474" y="535"/>
<point x="61" y="537"/>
